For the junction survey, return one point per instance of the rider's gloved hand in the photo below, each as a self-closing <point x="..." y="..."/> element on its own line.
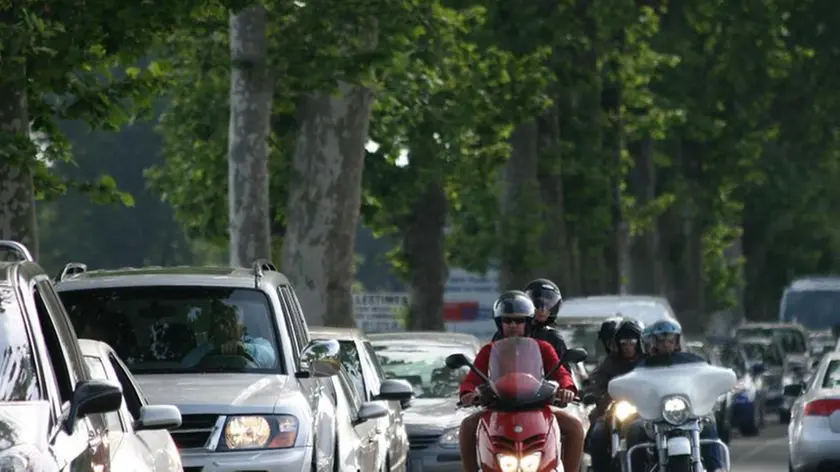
<point x="564" y="396"/>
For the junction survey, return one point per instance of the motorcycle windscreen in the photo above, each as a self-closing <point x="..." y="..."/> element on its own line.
<point x="516" y="369"/>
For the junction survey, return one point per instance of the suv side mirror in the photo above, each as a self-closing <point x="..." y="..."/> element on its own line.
<point x="395" y="389"/>
<point x="91" y="397"/>
<point x="319" y="359"/>
<point x="158" y="417"/>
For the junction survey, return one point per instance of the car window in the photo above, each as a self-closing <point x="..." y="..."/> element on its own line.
<point x="764" y="353"/>
<point x="355" y="402"/>
<point x="353" y="366"/>
<point x="294" y="328"/>
<point x="180" y="329"/>
<point x="791" y="339"/>
<point x="298" y="318"/>
<point x="374" y="360"/>
<point x="18" y="374"/>
<point x="130" y="391"/>
<point x="831" y="379"/>
<point x="97" y="371"/>
<point x="423" y="365"/>
<point x="731" y="358"/>
<point x="56" y="350"/>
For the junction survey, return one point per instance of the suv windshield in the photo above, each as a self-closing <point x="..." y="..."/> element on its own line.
<point x="18" y="377"/>
<point x="179" y="329"/>
<point x="584" y="336"/>
<point x="764" y="353"/>
<point x="423" y="365"/>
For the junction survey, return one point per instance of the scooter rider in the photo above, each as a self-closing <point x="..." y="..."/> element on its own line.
<point x="513" y="313"/>
<point x="547" y="300"/>
<point x="666" y="350"/>
<point x="628" y="338"/>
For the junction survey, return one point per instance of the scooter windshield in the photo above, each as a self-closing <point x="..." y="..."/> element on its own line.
<point x="516" y="368"/>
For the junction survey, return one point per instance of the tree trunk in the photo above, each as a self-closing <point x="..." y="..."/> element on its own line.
<point x="324" y="201"/>
<point x="647" y="270"/>
<point x="17" y="189"/>
<point x="424" y="246"/>
<point x="250" y="116"/>
<point x="520" y="218"/>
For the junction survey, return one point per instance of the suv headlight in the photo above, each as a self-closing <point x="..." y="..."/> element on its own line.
<point x="675" y="410"/>
<point x="259" y="432"/>
<point x="449" y="438"/>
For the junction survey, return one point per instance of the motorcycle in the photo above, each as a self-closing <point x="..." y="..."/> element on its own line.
<point x="518" y="431"/>
<point x="618" y="413"/>
<point x="674" y="400"/>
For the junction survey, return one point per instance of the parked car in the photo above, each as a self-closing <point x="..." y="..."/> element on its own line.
<point x="723" y="407"/>
<point x="747" y="399"/>
<point x="433" y="421"/>
<point x="792" y="337"/>
<point x="768" y="352"/>
<point x="52" y="411"/>
<point x="230" y="348"/>
<point x="814" y="429"/>
<point x="137" y="429"/>
<point x="370" y="385"/>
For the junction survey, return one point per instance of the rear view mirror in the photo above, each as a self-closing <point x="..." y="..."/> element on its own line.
<point x="158" y="417"/>
<point x="457" y="361"/>
<point x="793" y="390"/>
<point x="90" y="397"/>
<point x="573" y="356"/>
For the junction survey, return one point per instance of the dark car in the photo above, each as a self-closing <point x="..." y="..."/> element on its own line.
<point x="52" y="410"/>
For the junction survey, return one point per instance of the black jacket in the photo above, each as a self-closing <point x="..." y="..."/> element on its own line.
<point x="545" y="333"/>
<point x="613" y="366"/>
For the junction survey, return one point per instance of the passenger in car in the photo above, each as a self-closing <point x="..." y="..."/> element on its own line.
<point x="227" y="337"/>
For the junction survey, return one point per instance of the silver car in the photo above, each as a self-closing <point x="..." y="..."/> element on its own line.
<point x="433" y="421"/>
<point x="230" y="348"/>
<point x="137" y="429"/>
<point x="370" y="385"/>
<point x="814" y="429"/>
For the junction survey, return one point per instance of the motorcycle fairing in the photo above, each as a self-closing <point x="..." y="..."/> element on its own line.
<point x="519" y="433"/>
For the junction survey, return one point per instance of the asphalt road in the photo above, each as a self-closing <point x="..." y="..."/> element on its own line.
<point x="765" y="453"/>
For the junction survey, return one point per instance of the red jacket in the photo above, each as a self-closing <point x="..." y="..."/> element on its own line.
<point x="549" y="358"/>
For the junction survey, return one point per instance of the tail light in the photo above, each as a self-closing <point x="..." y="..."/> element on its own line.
<point x="821" y="407"/>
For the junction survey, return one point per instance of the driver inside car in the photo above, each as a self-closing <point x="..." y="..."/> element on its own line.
<point x="663" y="339"/>
<point x="226" y="337"/>
<point x="513" y="313"/>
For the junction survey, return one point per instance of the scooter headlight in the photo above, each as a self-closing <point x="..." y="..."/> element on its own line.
<point x="511" y="463"/>
<point x="675" y="410"/>
<point x="624" y="410"/>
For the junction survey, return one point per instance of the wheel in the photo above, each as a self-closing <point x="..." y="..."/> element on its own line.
<point x="680" y="464"/>
<point x="784" y="417"/>
<point x="750" y="428"/>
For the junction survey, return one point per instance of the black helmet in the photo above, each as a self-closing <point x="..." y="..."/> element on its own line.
<point x="513" y="304"/>
<point x="607" y="332"/>
<point x="629" y="329"/>
<point x="545" y="294"/>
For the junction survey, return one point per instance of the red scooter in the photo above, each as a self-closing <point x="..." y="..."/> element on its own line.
<point x="518" y="432"/>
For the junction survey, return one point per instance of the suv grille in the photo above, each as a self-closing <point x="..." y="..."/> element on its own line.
<point x="422" y="441"/>
<point x="194" y="431"/>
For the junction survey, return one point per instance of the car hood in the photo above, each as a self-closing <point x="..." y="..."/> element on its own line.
<point x="24" y="423"/>
<point x="433" y="415"/>
<point x="219" y="393"/>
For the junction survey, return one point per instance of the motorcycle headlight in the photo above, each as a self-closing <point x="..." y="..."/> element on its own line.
<point x="675" y="410"/>
<point x="624" y="410"/>
<point x="260" y="432"/>
<point x="449" y="438"/>
<point x="512" y="463"/>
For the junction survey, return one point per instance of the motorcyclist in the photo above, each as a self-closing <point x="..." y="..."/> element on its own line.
<point x="513" y="313"/>
<point x="547" y="300"/>
<point x="666" y="350"/>
<point x="628" y="338"/>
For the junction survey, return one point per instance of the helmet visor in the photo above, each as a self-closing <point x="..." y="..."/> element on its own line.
<point x="514" y="307"/>
<point x="544" y="299"/>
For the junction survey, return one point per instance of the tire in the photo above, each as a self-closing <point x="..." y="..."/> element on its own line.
<point x="784" y="417"/>
<point x="680" y="464"/>
<point x="751" y="428"/>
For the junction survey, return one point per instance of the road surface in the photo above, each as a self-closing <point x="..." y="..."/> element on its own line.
<point x="766" y="453"/>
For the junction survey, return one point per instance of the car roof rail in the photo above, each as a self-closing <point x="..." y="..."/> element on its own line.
<point x="260" y="267"/>
<point x="72" y="268"/>
<point x="17" y="248"/>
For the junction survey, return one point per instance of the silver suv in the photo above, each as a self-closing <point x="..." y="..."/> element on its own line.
<point x="228" y="346"/>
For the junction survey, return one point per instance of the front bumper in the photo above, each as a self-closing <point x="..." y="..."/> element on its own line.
<point x="297" y="459"/>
